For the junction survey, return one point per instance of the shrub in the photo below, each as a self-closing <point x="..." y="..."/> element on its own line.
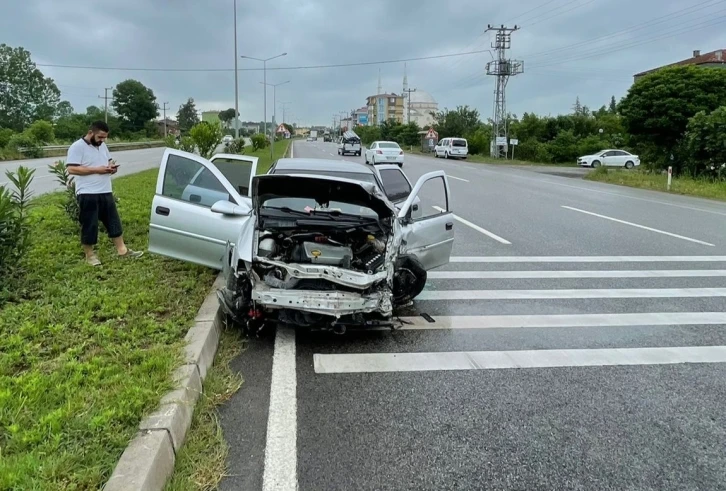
<point x="5" y="135"/>
<point x="186" y="144"/>
<point x="705" y="144"/>
<point x="14" y="226"/>
<point x="70" y="204"/>
<point x="259" y="141"/>
<point x="31" y="147"/>
<point x="206" y="137"/>
<point x="41" y="131"/>
<point x="236" y="146"/>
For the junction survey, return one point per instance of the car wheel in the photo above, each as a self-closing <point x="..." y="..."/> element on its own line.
<point x="446" y="155"/>
<point x="595" y="163"/>
<point x="629" y="165"/>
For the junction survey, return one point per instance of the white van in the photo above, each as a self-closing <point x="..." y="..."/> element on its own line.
<point x="452" y="148"/>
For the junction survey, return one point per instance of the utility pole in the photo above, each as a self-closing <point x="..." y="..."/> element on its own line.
<point x="105" y="98"/>
<point x="236" y="74"/>
<point x="165" y="104"/>
<point x="502" y="68"/>
<point x="274" y="113"/>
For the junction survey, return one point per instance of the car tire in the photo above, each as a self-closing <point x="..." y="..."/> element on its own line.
<point x="629" y="165"/>
<point x="595" y="163"/>
<point x="446" y="155"/>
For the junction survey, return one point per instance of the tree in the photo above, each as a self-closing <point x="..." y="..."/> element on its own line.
<point x="613" y="105"/>
<point x="63" y="110"/>
<point x="227" y="116"/>
<point x="706" y="143"/>
<point x="135" y="104"/>
<point x="459" y="122"/>
<point x="42" y="131"/>
<point x="657" y="108"/>
<point x="187" y="116"/>
<point x="577" y="109"/>
<point x="25" y="93"/>
<point x="289" y="128"/>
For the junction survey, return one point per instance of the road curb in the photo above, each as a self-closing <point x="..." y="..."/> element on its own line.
<point x="148" y="461"/>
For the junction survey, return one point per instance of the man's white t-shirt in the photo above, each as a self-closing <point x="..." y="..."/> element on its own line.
<point x="87" y="155"/>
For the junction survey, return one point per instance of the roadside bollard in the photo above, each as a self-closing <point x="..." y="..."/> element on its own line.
<point x="670" y="176"/>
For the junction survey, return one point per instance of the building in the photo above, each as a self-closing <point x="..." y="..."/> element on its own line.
<point x="714" y="59"/>
<point x="172" y="127"/>
<point x="384" y="107"/>
<point x="360" y="116"/>
<point x="421" y="105"/>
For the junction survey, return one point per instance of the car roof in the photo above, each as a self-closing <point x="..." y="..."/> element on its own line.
<point x="385" y="141"/>
<point x="310" y="164"/>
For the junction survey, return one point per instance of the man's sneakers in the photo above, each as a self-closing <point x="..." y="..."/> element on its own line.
<point x="132" y="254"/>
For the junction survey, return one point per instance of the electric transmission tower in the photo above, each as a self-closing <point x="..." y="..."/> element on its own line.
<point x="502" y="68"/>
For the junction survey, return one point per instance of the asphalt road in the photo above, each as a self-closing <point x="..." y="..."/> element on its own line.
<point x="562" y="354"/>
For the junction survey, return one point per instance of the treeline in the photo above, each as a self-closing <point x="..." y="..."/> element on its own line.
<point x="672" y="117"/>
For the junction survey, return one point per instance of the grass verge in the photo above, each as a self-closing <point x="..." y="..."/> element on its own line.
<point x="201" y="463"/>
<point x="265" y="162"/>
<point x="10" y="156"/>
<point x="688" y="186"/>
<point x="482" y="159"/>
<point x="88" y="351"/>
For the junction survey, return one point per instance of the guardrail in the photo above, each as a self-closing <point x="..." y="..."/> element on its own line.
<point x="109" y="145"/>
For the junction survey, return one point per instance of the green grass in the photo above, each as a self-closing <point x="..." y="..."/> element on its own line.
<point x="265" y="162"/>
<point x="689" y="186"/>
<point x="88" y="351"/>
<point x="201" y="463"/>
<point x="482" y="159"/>
<point x="6" y="155"/>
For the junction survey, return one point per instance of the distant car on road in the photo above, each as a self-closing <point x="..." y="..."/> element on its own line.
<point x="310" y="138"/>
<point x="610" y="158"/>
<point x="349" y="143"/>
<point x="384" y="152"/>
<point x="227" y="139"/>
<point x="452" y="148"/>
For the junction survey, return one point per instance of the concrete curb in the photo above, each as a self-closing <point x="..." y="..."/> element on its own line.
<point x="148" y="461"/>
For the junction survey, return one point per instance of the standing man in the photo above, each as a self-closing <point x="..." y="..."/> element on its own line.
<point x="92" y="167"/>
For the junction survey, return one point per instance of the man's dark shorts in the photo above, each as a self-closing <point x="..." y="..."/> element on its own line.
<point x="95" y="207"/>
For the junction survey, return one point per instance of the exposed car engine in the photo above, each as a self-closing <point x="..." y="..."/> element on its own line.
<point x="357" y="250"/>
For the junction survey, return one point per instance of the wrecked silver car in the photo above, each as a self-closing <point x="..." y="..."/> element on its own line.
<point x="301" y="249"/>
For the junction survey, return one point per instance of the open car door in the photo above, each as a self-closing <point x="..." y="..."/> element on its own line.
<point x="238" y="169"/>
<point x="196" y="211"/>
<point x="429" y="236"/>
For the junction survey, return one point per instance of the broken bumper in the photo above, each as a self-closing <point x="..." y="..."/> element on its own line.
<point x="327" y="302"/>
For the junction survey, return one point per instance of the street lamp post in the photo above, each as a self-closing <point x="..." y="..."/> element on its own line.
<point x="236" y="74"/>
<point x="274" y="112"/>
<point x="264" y="71"/>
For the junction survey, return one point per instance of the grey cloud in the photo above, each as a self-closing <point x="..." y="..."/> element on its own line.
<point x="193" y="34"/>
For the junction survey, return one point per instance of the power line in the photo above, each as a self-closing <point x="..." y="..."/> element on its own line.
<point x="607" y="50"/>
<point x="559" y="13"/>
<point x="305" y="67"/>
<point x="635" y="27"/>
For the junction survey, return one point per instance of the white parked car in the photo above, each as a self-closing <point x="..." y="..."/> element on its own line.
<point x="610" y="158"/>
<point x="301" y="249"/>
<point x="227" y="139"/>
<point x="452" y="148"/>
<point x="384" y="151"/>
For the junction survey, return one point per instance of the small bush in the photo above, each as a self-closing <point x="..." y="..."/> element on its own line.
<point x="41" y="131"/>
<point x="206" y="137"/>
<point x="14" y="227"/>
<point x="70" y="204"/>
<point x="259" y="141"/>
<point x="28" y="143"/>
<point x="236" y="146"/>
<point x="5" y="135"/>
<point x="186" y="144"/>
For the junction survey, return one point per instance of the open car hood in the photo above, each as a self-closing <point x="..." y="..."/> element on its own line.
<point x="322" y="189"/>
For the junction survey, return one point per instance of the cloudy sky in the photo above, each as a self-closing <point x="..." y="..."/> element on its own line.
<point x="571" y="48"/>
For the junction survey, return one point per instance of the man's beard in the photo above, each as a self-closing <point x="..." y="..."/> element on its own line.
<point x="95" y="142"/>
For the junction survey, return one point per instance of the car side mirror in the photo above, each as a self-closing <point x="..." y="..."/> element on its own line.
<point x="225" y="207"/>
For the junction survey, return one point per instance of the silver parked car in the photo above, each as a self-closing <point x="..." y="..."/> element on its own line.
<point x="300" y="248"/>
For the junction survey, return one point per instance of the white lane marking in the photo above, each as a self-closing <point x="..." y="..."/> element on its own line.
<point x="639" y="226"/>
<point x="476" y="227"/>
<point x="492" y="360"/>
<point x="292" y="149"/>
<point x="281" y="448"/>
<point x="565" y="294"/>
<point x="562" y="320"/>
<point x="500" y="275"/>
<point x="454" y="177"/>
<point x="586" y="259"/>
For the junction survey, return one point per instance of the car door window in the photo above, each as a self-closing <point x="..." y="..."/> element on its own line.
<point x="395" y="184"/>
<point x="434" y="200"/>
<point x="187" y="180"/>
<point x="236" y="171"/>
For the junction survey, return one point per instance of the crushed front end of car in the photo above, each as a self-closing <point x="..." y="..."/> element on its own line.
<point x="322" y="253"/>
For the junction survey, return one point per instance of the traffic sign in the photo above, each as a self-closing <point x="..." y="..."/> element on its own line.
<point x="432" y="134"/>
<point x="281" y="129"/>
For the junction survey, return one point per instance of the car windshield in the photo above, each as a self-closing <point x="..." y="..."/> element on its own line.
<point x="388" y="145"/>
